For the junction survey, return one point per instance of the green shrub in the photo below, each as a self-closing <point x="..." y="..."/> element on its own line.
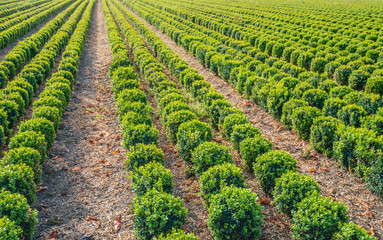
<point x="251" y="148"/>
<point x="327" y="85"/>
<point x="342" y="74"/>
<point x="318" y="218"/>
<point x="29" y="139"/>
<point x="140" y="133"/>
<point x="50" y="101"/>
<point x="340" y="91"/>
<point x="177" y="235"/>
<point x="374" y="85"/>
<point x="300" y="88"/>
<point x="275" y="100"/>
<point x="215" y="110"/>
<point x="4" y="120"/>
<point x="59" y="87"/>
<point x="50" y="113"/>
<point x="9" y="230"/>
<point x="220" y="176"/>
<point x="15" y="207"/>
<point x="351" y="231"/>
<point x="131" y="95"/>
<point x="169" y="98"/>
<point x="375" y="123"/>
<point x="271" y="166"/>
<point x="11" y="109"/>
<point x="40" y="125"/>
<point x="174" y="120"/>
<point x="142" y="154"/>
<point x="358" y="79"/>
<point x="352" y="115"/>
<point x="318" y="65"/>
<point x="374" y="177"/>
<point x="152" y="175"/>
<point x="157" y="213"/>
<point x="138" y="107"/>
<point x="174" y="107"/>
<point x="315" y="97"/>
<point x="322" y="134"/>
<point x="288" y="109"/>
<point x="134" y="118"/>
<point x="18" y="179"/>
<point x="332" y="107"/>
<point x="303" y="118"/>
<point x="230" y="122"/>
<point x="190" y="135"/>
<point x="290" y="189"/>
<point x="330" y="68"/>
<point x="304" y="60"/>
<point x="15" y="97"/>
<point x="369" y="101"/>
<point x="209" y="154"/>
<point x="235" y="214"/>
<point x="242" y="132"/>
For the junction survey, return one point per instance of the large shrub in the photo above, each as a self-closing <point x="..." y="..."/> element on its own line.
<point x="358" y="79"/>
<point x="157" y="213"/>
<point x="342" y="74"/>
<point x="251" y="148"/>
<point x="303" y="118"/>
<point x="374" y="85"/>
<point x="40" y="125"/>
<point x="142" y="154"/>
<point x="271" y="166"/>
<point x="29" y="139"/>
<point x="235" y="214"/>
<point x="340" y="91"/>
<point x="315" y="97"/>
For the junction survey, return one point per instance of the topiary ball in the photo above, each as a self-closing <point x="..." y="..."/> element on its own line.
<point x="142" y="154"/>
<point x="303" y="118"/>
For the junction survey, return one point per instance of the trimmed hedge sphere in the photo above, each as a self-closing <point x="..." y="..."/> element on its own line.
<point x="177" y="235"/>
<point x="235" y="214"/>
<point x="174" y="120"/>
<point x="351" y="231"/>
<point x="243" y="131"/>
<point x="303" y="118"/>
<point x="141" y="154"/>
<point x="230" y="121"/>
<point x="251" y="148"/>
<point x="9" y="229"/>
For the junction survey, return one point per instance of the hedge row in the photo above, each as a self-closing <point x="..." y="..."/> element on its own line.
<point x="157" y="213"/>
<point x="297" y="103"/>
<point x="19" y="93"/>
<point x="20" y="169"/>
<point x="9" y="15"/>
<point x="12" y="6"/>
<point x="301" y="198"/>
<point x="29" y="47"/>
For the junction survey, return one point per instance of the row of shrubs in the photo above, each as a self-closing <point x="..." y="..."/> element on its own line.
<point x="294" y="194"/>
<point x="27" y="48"/>
<point x="19" y="93"/>
<point x="157" y="213"/>
<point x="13" y="6"/>
<point x="10" y="14"/>
<point x="346" y="59"/>
<point x="20" y="169"/>
<point x="297" y="104"/>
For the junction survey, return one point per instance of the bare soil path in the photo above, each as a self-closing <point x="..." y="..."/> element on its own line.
<point x="365" y="208"/>
<point x="84" y="175"/>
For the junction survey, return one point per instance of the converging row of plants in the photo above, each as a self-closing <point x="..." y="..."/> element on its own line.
<point x="20" y="169"/>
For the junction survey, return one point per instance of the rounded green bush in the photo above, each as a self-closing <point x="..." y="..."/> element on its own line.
<point x="174" y="120"/>
<point x="152" y="175"/>
<point x="315" y="97"/>
<point x="374" y="85"/>
<point x="14" y="206"/>
<point x="140" y="133"/>
<point x="174" y="107"/>
<point x="124" y="73"/>
<point x="332" y="106"/>
<point x="9" y="230"/>
<point x="358" y="79"/>
<point x="51" y="113"/>
<point x="374" y="177"/>
<point x="138" y="107"/>
<point x="351" y="231"/>
<point x="342" y="74"/>
<point x="235" y="214"/>
<point x="18" y="179"/>
<point x="375" y="123"/>
<point x="15" y="97"/>
<point x="303" y="118"/>
<point x="40" y="125"/>
<point x="330" y="68"/>
<point x="318" y="218"/>
<point x="142" y="154"/>
<point x="190" y="135"/>
<point x="241" y="132"/>
<point x="60" y="87"/>
<point x="340" y="92"/>
<point x="209" y="154"/>
<point x="300" y="88"/>
<point x="224" y="175"/>
<point x="287" y="111"/>
<point x="134" y="118"/>
<point x="29" y="139"/>
<point x="290" y="189"/>
<point x="327" y="85"/>
<point x="318" y="65"/>
<point x="276" y="98"/>
<point x="231" y="121"/>
<point x="352" y="115"/>
<point x="157" y="213"/>
<point x="50" y="101"/>
<point x="11" y="109"/>
<point x="131" y="95"/>
<point x="271" y="166"/>
<point x="177" y="235"/>
<point x="215" y="110"/>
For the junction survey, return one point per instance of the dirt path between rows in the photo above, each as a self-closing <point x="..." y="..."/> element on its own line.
<point x="85" y="174"/>
<point x="365" y="208"/>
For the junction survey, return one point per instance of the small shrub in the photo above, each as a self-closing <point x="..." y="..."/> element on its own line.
<point x="342" y="74"/>
<point x="131" y="95"/>
<point x="140" y="133"/>
<point x="340" y="92"/>
<point x="231" y="121"/>
<point x="9" y="229"/>
<point x="300" y="88"/>
<point x="134" y="118"/>
<point x="374" y="177"/>
<point x="29" y="139"/>
<point x="241" y="132"/>
<point x="315" y="97"/>
<point x="271" y="166"/>
<point x="352" y="115"/>
<point x="152" y="175"/>
<point x="11" y="109"/>
<point x="142" y="154"/>
<point x="330" y="68"/>
<point x="332" y="107"/>
<point x="174" y="120"/>
<point x="302" y="119"/>
<point x="251" y="148"/>
<point x="374" y="85"/>
<point x="318" y="218"/>
<point x="215" y="111"/>
<point x="275" y="100"/>
<point x="51" y="113"/>
<point x="288" y="109"/>
<point x="358" y="79"/>
<point x="290" y="189"/>
<point x="318" y="65"/>
<point x="235" y="214"/>
<point x="138" y="107"/>
<point x="209" y="154"/>
<point x="177" y="235"/>
<point x="157" y="213"/>
<point x="351" y="231"/>
<point x="40" y="125"/>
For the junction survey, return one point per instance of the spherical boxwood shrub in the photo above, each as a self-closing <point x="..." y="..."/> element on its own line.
<point x="251" y="148"/>
<point x="300" y="88"/>
<point x="190" y="135"/>
<point x="15" y="208"/>
<point x="352" y="115"/>
<point x="303" y="118"/>
<point x="358" y="79"/>
<point x="174" y="107"/>
<point x="375" y="123"/>
<point x="51" y="113"/>
<point x="332" y="106"/>
<point x="40" y="125"/>
<point x="18" y="179"/>
<point x="218" y="177"/>
<point x="374" y="85"/>
<point x="209" y="154"/>
<point x="290" y="189"/>
<point x="174" y="120"/>
<point x="215" y="110"/>
<point x="374" y="177"/>
<point x="140" y="133"/>
<point x="134" y="118"/>
<point x="271" y="166"/>
<point x="276" y="98"/>
<point x="340" y="91"/>
<point x="152" y="176"/>
<point x="351" y="231"/>
<point x="11" y="109"/>
<point x="287" y="111"/>
<point x="142" y="154"/>
<point x="330" y="68"/>
<point x="323" y="133"/>
<point x="157" y="213"/>
<point x="9" y="230"/>
<point x="315" y="97"/>
<point x="235" y="214"/>
<point x="177" y="235"/>
<point x="29" y="139"/>
<point x="230" y="122"/>
<point x="241" y="132"/>
<point x="318" y="218"/>
<point x="131" y="95"/>
<point x="342" y="74"/>
<point x="138" y="107"/>
<point x="318" y="65"/>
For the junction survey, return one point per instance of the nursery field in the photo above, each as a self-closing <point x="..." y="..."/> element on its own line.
<point x="191" y="119"/>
